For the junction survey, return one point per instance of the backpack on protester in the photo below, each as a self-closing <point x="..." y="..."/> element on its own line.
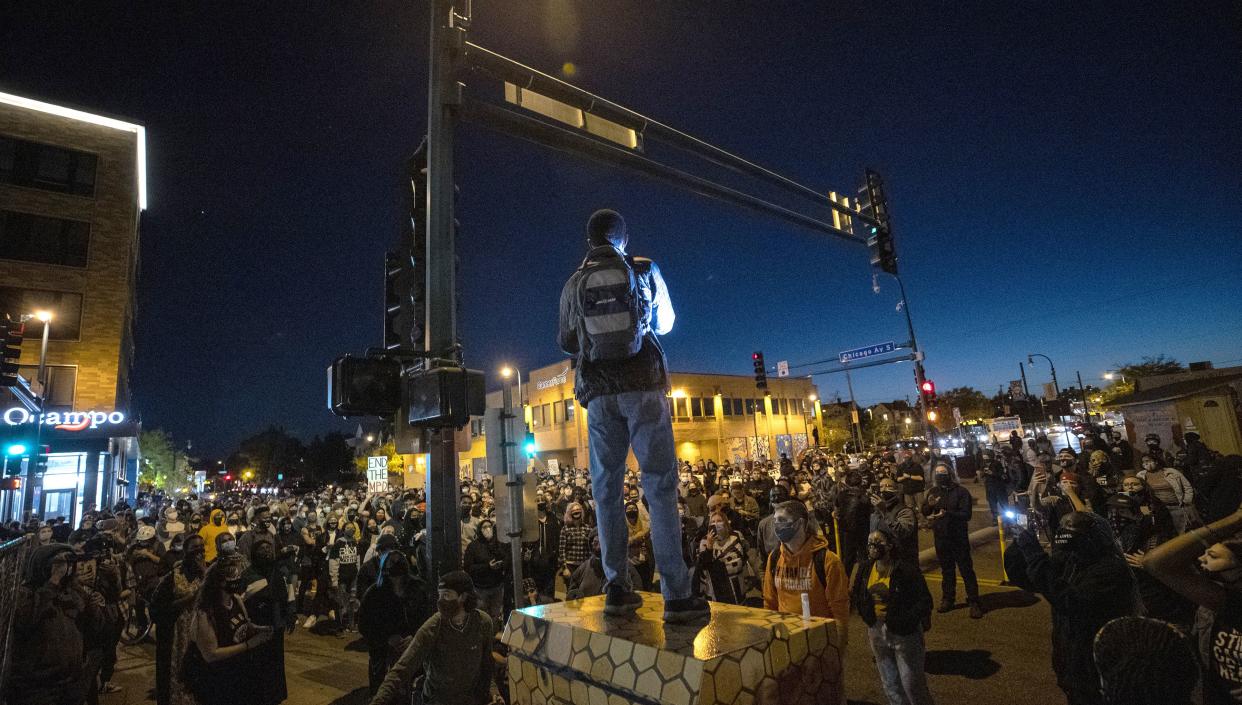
<point x="817" y="561"/>
<point x="613" y="313"/>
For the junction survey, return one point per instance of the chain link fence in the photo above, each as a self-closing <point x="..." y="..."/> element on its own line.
<point x="12" y="567"/>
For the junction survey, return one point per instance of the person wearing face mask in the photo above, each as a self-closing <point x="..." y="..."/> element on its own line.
<point x="489" y="564"/>
<point x="171" y="611"/>
<point x="260" y="526"/>
<point x="1087" y="583"/>
<point x="995" y="481"/>
<point x="42" y="535"/>
<point x="588" y="578"/>
<point x="948" y="509"/>
<point x="217" y="668"/>
<point x="722" y="566"/>
<point x="892" y="599"/>
<point x="1121" y="452"/>
<point x="890" y="515"/>
<point x="1170" y="487"/>
<point x="210" y="531"/>
<point x="803" y="565"/>
<point x="766" y="532"/>
<point x="1205" y="566"/>
<point x="266" y="599"/>
<point x="1140" y="525"/>
<point x="1153" y="450"/>
<point x="575" y="540"/>
<point x="453" y="648"/>
<point x="640" y="544"/>
<point x="543" y="559"/>
<point x="50" y="614"/>
<point x="1144" y="661"/>
<point x="853" y="514"/>
<point x="390" y="608"/>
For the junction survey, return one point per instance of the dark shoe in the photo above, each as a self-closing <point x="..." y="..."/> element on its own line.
<point x="619" y="601"/>
<point x="976" y="610"/>
<point x="687" y="609"/>
<point x="946" y="605"/>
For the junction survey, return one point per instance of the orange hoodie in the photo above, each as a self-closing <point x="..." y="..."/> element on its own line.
<point x="795" y="575"/>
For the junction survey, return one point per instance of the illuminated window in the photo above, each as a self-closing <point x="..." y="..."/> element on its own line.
<point x="569" y="410"/>
<point x="38" y="238"/>
<point x="558" y="413"/>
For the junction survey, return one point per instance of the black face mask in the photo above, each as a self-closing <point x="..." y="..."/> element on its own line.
<point x="1066" y="462"/>
<point x="944" y="480"/>
<point x="888" y="495"/>
<point x="631" y="516"/>
<point x="447" y="608"/>
<point x="235" y="587"/>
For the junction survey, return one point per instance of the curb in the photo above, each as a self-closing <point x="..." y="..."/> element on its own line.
<point x="978" y="537"/>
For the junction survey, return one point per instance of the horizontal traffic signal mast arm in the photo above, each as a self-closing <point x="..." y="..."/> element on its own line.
<point x="531" y="79"/>
<point x="518" y="125"/>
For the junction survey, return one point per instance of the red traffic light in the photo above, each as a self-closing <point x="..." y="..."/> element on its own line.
<point x="928" y="387"/>
<point x="754" y="356"/>
<point x="228" y="478"/>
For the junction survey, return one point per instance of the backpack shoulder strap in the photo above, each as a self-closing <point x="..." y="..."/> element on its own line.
<point x="817" y="560"/>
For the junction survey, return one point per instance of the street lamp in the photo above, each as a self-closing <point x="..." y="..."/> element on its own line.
<point x="1030" y="360"/>
<point x="508" y="372"/>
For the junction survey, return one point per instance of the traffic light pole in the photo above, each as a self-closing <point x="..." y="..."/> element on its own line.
<point x="444" y="96"/>
<point x="919" y="376"/>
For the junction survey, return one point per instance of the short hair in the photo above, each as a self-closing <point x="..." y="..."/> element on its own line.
<point x="794" y="507"/>
<point x="1144" y="661"/>
<point x="606" y="227"/>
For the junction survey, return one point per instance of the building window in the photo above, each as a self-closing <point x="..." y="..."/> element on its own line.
<point x="62" y="382"/>
<point x="37" y="238"/>
<point x="536" y="416"/>
<point x="569" y="411"/>
<point x="750" y="407"/>
<point x="696" y="408"/>
<point x="784" y="407"/>
<point x="43" y="166"/>
<point x="558" y="413"/>
<point x="726" y="406"/>
<point x="66" y="308"/>
<point x="546" y="414"/>
<point x="737" y="407"/>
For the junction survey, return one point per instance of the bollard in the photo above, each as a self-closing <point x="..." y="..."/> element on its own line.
<point x="1000" y="531"/>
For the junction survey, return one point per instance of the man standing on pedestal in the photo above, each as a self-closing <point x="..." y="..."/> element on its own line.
<point x="612" y="308"/>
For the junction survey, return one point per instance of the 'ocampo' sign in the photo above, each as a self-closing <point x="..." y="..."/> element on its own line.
<point x="64" y="420"/>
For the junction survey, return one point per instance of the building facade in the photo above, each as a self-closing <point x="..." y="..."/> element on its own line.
<point x="72" y="189"/>
<point x="715" y="417"/>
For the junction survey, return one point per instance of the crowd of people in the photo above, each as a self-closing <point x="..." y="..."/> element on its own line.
<point x="1107" y="534"/>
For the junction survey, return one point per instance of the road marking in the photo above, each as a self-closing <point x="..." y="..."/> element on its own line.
<point x="988" y="582"/>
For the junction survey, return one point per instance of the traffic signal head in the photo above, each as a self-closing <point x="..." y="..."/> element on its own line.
<point x="761" y="370"/>
<point x="928" y="387"/>
<point x="528" y="446"/>
<point x="13" y="332"/>
<point x="15" y="448"/>
<point x="932" y="415"/>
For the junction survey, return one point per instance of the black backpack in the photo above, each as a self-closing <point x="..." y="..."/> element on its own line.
<point x="612" y="313"/>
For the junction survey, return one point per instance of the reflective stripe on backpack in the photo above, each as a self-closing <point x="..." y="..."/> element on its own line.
<point x="611" y="309"/>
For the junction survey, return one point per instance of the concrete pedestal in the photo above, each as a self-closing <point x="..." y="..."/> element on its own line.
<point x="571" y="653"/>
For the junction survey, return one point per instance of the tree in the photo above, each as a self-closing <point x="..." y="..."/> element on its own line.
<point x="396" y="463"/>
<point x="267" y="455"/>
<point x="163" y="466"/>
<point x="1127" y="373"/>
<point x="973" y="404"/>
<point x="328" y="457"/>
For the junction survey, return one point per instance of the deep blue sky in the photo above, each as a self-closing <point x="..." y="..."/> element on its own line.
<point x="1063" y="180"/>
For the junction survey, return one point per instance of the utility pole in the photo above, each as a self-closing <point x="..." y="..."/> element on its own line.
<point x="857" y="432"/>
<point x="440" y="338"/>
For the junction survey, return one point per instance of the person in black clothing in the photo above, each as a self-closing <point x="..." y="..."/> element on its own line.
<point x="390" y="609"/>
<point x="489" y="564"/>
<point x="1140" y="524"/>
<point x="1087" y="583"/>
<point x="542" y="554"/>
<point x="892" y="599"/>
<point x="853" y="514"/>
<point x="1219" y="491"/>
<point x="948" y="509"/>
<point x="995" y="482"/>
<point x="267" y="603"/>
<point x="1121" y="452"/>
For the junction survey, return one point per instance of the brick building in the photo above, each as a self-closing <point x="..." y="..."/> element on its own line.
<point x="72" y="189"/>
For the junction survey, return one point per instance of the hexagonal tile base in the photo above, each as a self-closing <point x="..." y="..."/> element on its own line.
<point x="572" y="653"/>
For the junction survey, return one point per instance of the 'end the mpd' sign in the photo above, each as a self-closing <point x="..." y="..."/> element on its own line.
<point x="869" y="351"/>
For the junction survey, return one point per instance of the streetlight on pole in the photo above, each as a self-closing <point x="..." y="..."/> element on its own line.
<point x="46" y="318"/>
<point x="506" y="372"/>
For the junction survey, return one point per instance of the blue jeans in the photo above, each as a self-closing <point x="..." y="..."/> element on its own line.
<point x="899" y="659"/>
<point x="614" y="422"/>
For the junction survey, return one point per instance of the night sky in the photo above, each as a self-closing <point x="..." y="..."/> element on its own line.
<point x="1063" y="180"/>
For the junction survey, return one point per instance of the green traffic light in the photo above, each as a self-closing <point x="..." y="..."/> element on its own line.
<point x="15" y="449"/>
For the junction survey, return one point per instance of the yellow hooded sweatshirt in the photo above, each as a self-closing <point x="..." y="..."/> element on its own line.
<point x="794" y="575"/>
<point x="210" y="531"/>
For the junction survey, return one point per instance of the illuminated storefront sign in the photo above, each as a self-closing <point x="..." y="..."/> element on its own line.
<point x="64" y="420"/>
<point x="554" y="381"/>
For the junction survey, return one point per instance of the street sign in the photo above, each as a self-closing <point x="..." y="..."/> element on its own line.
<point x="869" y="351"/>
<point x="782" y="368"/>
